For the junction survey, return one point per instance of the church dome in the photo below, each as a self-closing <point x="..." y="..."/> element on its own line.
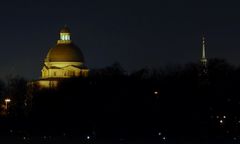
<point x="65" y="50"/>
<point x="64" y="60"/>
<point x="65" y="53"/>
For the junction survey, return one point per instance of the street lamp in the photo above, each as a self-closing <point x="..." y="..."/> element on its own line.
<point x="7" y="100"/>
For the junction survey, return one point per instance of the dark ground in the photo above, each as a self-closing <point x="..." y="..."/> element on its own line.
<point x="113" y="107"/>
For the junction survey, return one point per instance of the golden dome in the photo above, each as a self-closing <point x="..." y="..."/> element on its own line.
<point x="65" y="52"/>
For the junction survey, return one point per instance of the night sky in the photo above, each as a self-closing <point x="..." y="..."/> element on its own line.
<point x="137" y="34"/>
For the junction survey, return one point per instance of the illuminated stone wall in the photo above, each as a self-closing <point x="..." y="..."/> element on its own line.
<point x="63" y="70"/>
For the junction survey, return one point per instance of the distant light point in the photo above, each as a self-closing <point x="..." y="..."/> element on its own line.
<point x="221" y="121"/>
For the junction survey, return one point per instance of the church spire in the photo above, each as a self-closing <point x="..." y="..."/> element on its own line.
<point x="203" y="59"/>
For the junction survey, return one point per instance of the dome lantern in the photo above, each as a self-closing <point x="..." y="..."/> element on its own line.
<point x="65" y="35"/>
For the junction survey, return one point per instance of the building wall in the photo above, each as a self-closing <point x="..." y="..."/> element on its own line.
<point x="63" y="72"/>
<point x="63" y="64"/>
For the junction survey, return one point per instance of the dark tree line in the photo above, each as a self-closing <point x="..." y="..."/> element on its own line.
<point x="179" y="102"/>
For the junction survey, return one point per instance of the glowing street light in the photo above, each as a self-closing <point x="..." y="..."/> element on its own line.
<point x="7" y="100"/>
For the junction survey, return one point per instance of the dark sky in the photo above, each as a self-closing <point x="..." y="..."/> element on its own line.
<point x="137" y="34"/>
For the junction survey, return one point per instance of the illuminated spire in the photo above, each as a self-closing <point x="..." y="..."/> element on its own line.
<point x="203" y="59"/>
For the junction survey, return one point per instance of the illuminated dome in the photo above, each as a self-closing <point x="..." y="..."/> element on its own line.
<point x="64" y="60"/>
<point x="65" y="52"/>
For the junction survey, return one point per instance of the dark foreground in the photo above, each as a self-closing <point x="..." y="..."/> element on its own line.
<point x="175" y="105"/>
<point x="64" y="140"/>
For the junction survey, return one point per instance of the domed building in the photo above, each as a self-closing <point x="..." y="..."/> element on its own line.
<point x="64" y="60"/>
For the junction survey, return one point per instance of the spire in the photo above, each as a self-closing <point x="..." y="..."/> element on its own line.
<point x="203" y="73"/>
<point x="203" y="59"/>
<point x="203" y="48"/>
